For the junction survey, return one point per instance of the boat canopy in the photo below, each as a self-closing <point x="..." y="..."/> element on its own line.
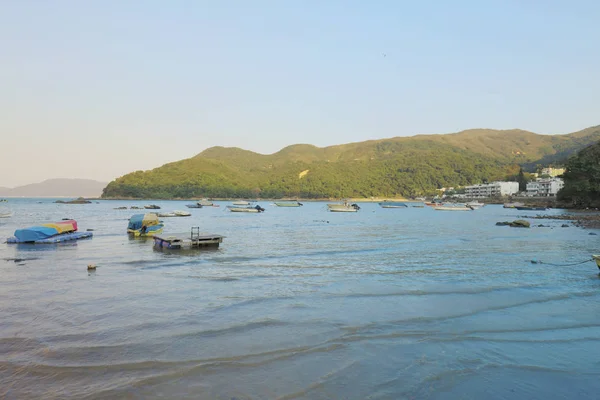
<point x="138" y="220"/>
<point x="45" y="231"/>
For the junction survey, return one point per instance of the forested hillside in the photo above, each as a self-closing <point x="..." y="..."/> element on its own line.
<point x="404" y="166"/>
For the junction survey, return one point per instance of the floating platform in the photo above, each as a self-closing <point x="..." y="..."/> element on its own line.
<point x="65" y="237"/>
<point x="193" y="240"/>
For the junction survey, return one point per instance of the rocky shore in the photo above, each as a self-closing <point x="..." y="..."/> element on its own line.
<point x="587" y="220"/>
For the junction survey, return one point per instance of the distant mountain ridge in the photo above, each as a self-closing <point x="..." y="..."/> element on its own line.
<point x="57" y="188"/>
<point x="405" y="166"/>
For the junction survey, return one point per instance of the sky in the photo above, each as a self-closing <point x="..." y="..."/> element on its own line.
<point x="97" y="89"/>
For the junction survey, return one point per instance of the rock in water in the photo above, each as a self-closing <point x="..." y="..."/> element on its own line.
<point x="519" y="223"/>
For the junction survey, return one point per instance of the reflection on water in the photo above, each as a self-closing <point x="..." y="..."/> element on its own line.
<point x="299" y="303"/>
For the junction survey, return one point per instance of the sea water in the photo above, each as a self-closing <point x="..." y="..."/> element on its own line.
<point x="300" y="303"/>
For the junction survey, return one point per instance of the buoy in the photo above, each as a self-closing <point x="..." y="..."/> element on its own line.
<point x="91" y="267"/>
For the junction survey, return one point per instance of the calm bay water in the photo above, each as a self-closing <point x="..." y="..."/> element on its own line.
<point x="300" y="303"/>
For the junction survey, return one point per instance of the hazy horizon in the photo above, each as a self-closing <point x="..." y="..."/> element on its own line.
<point x="95" y="90"/>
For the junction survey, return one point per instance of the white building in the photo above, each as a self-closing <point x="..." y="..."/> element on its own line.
<point x="544" y="187"/>
<point x="492" y="189"/>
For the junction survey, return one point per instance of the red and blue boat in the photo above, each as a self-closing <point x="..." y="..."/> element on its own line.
<point x="53" y="232"/>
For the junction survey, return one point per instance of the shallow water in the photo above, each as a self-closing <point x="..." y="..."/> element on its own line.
<point x="300" y="303"/>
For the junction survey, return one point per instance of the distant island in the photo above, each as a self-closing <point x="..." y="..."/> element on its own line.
<point x="57" y="188"/>
<point x="396" y="167"/>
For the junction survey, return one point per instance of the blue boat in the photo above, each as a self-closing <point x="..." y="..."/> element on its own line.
<point x="56" y="232"/>
<point x="393" y="204"/>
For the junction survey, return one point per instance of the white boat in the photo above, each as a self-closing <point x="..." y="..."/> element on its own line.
<point x="206" y="203"/>
<point x="453" y="207"/>
<point x="179" y="213"/>
<point x="166" y="215"/>
<point x="247" y="209"/>
<point x="475" y="204"/>
<point x="241" y="203"/>
<point x="6" y="215"/>
<point x="343" y="207"/>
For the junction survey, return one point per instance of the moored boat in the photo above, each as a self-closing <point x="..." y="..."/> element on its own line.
<point x="393" y="204"/>
<point x="452" y="207"/>
<point x="6" y="214"/>
<point x="144" y="225"/>
<point x="530" y="208"/>
<point x="597" y="259"/>
<point x="152" y="207"/>
<point x="513" y="205"/>
<point x="193" y="205"/>
<point x="241" y="203"/>
<point x="205" y="203"/>
<point x="248" y="209"/>
<point x="55" y="232"/>
<point x="181" y="213"/>
<point x="343" y="207"/>
<point x="474" y="204"/>
<point x="288" y="203"/>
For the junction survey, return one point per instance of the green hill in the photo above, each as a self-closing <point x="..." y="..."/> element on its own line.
<point x="405" y="166"/>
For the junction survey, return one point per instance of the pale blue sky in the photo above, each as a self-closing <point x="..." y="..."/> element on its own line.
<point x="96" y="89"/>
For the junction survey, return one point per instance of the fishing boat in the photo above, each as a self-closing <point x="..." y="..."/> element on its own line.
<point x="248" y="209"/>
<point x="597" y="259"/>
<point x="144" y="225"/>
<point x="194" y="239"/>
<point x="6" y="214"/>
<point x="54" y="232"/>
<point x="288" y="203"/>
<point x="343" y="207"/>
<point x="393" y="204"/>
<point x="152" y="207"/>
<point x="453" y="207"/>
<point x="475" y="204"/>
<point x="513" y="205"/>
<point x="241" y="203"/>
<point x="530" y="208"/>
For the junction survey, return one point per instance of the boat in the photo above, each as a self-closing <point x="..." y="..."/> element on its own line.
<point x="144" y="225"/>
<point x="393" y="204"/>
<point x="6" y="214"/>
<point x="120" y="208"/>
<point x="453" y="207"/>
<point x="597" y="259"/>
<point x="206" y="203"/>
<point x="181" y="213"/>
<point x="166" y="215"/>
<point x="193" y="205"/>
<point x="152" y="207"/>
<point x="288" y="203"/>
<point x="530" y="208"/>
<point x="54" y="232"/>
<point x="343" y="207"/>
<point x="195" y="239"/>
<point x="248" y="209"/>
<point x="513" y="205"/>
<point x="475" y="204"/>
<point x="241" y="203"/>
<point x="3" y="201"/>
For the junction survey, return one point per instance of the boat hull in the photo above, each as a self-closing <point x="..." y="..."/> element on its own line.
<point x="443" y="208"/>
<point x="392" y="204"/>
<point x="597" y="259"/>
<point x="287" y="204"/>
<point x="64" y="237"/>
<point x="245" y="209"/>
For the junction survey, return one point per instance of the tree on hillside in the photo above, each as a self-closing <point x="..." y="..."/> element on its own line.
<point x="582" y="179"/>
<point x="522" y="180"/>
